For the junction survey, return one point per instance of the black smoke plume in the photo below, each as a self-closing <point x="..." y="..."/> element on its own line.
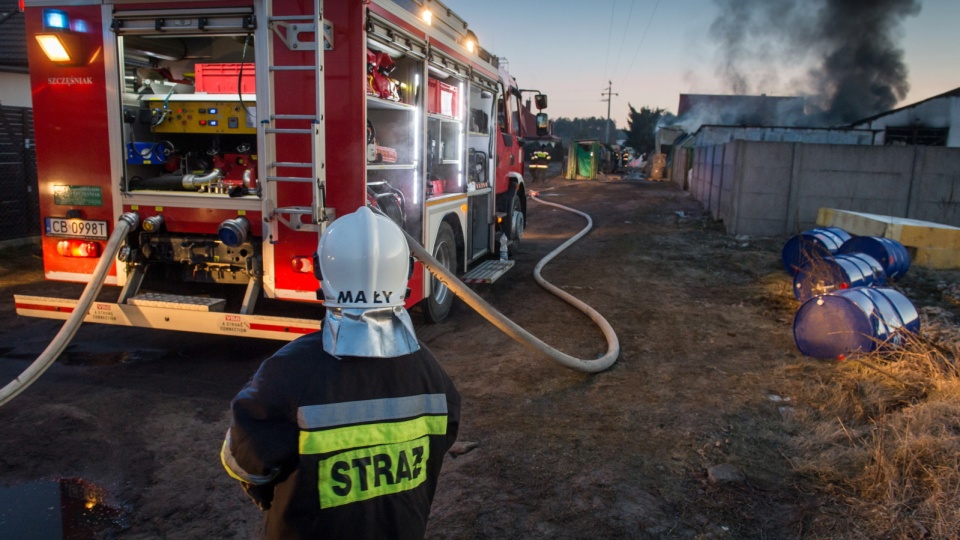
<point x="856" y="66"/>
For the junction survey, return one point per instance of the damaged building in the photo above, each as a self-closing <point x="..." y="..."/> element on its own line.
<point x="764" y="180"/>
<point x="931" y="122"/>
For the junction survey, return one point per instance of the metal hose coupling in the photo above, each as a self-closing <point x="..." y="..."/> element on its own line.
<point x="193" y="181"/>
<point x="132" y="218"/>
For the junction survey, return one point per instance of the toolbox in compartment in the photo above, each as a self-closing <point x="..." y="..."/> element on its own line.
<point x="224" y="78"/>
<point x="441" y="98"/>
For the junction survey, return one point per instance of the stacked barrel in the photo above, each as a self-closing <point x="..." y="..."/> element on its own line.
<point x="841" y="281"/>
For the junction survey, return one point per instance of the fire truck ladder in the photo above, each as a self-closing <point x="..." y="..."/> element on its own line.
<point x="289" y="29"/>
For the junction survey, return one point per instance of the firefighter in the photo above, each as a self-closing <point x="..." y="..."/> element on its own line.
<point x="342" y="433"/>
<point x="539" y="161"/>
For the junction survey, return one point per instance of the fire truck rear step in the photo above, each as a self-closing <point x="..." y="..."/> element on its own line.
<point x="178" y="301"/>
<point x="487" y="272"/>
<point x="162" y="317"/>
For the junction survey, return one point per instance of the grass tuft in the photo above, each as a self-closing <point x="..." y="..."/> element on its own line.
<point x="882" y="433"/>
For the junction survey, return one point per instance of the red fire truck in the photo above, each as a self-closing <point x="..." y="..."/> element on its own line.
<point x="235" y="131"/>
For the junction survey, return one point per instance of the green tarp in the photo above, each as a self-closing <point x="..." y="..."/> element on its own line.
<point x="584" y="160"/>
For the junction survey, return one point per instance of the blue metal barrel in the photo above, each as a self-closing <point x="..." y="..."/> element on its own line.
<point x="853" y="320"/>
<point x="821" y="276"/>
<point x="891" y="254"/>
<point x="810" y="245"/>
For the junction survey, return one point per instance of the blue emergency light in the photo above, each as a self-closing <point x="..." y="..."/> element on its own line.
<point x="55" y="19"/>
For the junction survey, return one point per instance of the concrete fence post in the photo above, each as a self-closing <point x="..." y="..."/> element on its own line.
<point x="916" y="183"/>
<point x="739" y="150"/>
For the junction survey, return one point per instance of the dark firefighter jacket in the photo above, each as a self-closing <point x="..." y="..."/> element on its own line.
<point x="348" y="448"/>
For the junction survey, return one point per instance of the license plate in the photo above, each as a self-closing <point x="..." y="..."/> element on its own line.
<point x="75" y="228"/>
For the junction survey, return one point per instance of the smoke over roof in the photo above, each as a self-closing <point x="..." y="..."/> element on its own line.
<point x="696" y="110"/>
<point x="854" y="64"/>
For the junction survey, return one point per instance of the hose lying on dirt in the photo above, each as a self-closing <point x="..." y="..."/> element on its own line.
<point x="514" y="330"/>
<point x="127" y="221"/>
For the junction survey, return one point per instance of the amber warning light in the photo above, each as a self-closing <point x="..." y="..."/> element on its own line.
<point x="59" y="43"/>
<point x="54" y="48"/>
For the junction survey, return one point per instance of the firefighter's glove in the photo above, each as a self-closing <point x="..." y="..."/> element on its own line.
<point x="262" y="494"/>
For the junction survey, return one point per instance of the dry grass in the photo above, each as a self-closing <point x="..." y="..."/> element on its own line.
<point x="882" y="433"/>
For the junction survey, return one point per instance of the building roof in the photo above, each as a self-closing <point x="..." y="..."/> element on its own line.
<point x="13" y="38"/>
<point x="950" y="93"/>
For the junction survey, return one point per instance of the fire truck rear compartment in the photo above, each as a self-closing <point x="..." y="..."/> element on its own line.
<point x="201" y="259"/>
<point x="189" y="114"/>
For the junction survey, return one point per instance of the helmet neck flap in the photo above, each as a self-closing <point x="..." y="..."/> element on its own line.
<point x="373" y="333"/>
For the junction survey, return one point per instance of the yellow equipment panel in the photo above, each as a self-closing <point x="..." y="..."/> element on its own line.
<point x="224" y="117"/>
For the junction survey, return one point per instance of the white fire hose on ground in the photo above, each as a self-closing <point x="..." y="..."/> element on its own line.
<point x="131" y="220"/>
<point x="514" y="330"/>
<point x="127" y="222"/>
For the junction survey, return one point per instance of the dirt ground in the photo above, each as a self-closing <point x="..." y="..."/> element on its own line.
<point x="683" y="437"/>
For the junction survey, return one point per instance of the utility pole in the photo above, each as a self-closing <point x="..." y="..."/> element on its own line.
<point x="608" y="92"/>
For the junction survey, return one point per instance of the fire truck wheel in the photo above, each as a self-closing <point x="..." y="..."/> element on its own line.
<point x="441" y="298"/>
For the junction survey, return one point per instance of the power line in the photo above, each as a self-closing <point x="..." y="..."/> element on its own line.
<point x="642" y="37"/>
<point x="613" y="14"/>
<point x="608" y="92"/>
<point x="623" y="40"/>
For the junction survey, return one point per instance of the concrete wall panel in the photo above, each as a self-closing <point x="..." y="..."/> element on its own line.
<point x="716" y="180"/>
<point x="694" y="187"/>
<point x="769" y="167"/>
<point x="936" y="194"/>
<point x="763" y="188"/>
<point x="706" y="170"/>
<point x="728" y="181"/>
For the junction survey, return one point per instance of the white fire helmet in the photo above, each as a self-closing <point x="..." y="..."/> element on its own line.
<point x="364" y="262"/>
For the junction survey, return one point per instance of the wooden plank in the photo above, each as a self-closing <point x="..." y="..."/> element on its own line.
<point x="931" y="245"/>
<point x="938" y="259"/>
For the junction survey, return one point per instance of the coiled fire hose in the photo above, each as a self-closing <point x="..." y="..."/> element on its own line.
<point x="514" y="330"/>
<point x="127" y="221"/>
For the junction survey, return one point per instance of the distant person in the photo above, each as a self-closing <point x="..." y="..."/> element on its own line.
<point x="342" y="432"/>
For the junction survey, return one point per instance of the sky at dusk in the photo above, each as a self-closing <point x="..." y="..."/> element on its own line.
<point x="655" y="50"/>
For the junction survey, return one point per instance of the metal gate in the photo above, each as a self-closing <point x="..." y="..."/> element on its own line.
<point x="20" y="203"/>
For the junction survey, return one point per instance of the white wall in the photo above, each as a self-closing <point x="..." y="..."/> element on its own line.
<point x="15" y="90"/>
<point x="942" y="112"/>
